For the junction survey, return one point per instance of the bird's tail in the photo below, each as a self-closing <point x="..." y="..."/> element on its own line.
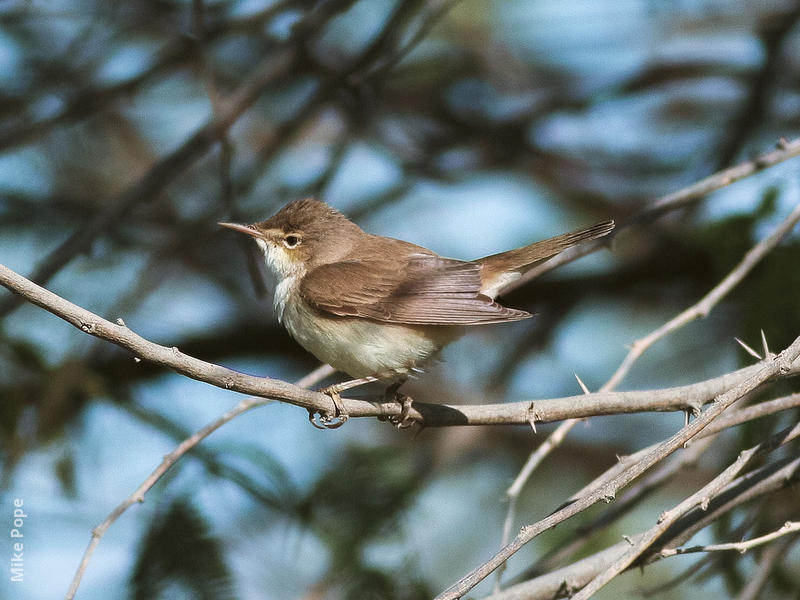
<point x="500" y="269"/>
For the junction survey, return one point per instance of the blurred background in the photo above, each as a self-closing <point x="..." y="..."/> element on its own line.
<point x="129" y="129"/>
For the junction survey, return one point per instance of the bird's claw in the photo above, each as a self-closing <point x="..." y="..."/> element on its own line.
<point x="322" y="420"/>
<point x="402" y="420"/>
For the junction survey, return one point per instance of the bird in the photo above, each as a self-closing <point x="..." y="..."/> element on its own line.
<point x="379" y="308"/>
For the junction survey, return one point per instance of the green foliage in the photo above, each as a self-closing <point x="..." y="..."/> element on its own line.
<point x="358" y="501"/>
<point x="178" y="558"/>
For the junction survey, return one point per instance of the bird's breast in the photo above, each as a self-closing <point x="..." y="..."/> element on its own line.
<point x="360" y="347"/>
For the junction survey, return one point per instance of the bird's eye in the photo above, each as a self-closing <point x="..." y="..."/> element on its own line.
<point x="291" y="241"/>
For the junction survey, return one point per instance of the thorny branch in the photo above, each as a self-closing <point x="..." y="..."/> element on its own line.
<point x="767" y="370"/>
<point x="699" y="309"/>
<point x="688" y="397"/>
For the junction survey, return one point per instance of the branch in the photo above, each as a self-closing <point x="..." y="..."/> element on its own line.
<point x="766" y="371"/>
<point x="741" y="547"/>
<point x="562" y="582"/>
<point x="700" y="498"/>
<point x="704" y="306"/>
<point x="169" y="460"/>
<point x="701" y="308"/>
<point x="769" y="558"/>
<point x="785" y="151"/>
<point x="138" y="494"/>
<point x="636" y="493"/>
<point x="688" y="397"/>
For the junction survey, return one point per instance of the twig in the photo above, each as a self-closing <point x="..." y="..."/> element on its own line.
<point x="170" y="459"/>
<point x="704" y="306"/>
<point x="741" y="547"/>
<point x="700" y="498"/>
<point x="767" y="370"/>
<point x="636" y="493"/>
<point x="755" y="484"/>
<point x="769" y="558"/>
<point x="435" y="415"/>
<point x="729" y="419"/>
<point x="534" y="460"/>
<point x="701" y="308"/>
<point x="785" y="151"/>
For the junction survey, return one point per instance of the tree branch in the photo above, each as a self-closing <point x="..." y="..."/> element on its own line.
<point x="704" y="306"/>
<point x="564" y="581"/>
<point x="699" y="309"/>
<point x="766" y="371"/>
<point x="688" y="397"/>
<point x="700" y="498"/>
<point x="785" y="151"/>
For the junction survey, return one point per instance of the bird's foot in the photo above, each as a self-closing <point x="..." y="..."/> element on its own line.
<point x="322" y="420"/>
<point x="402" y="420"/>
<point x="339" y="416"/>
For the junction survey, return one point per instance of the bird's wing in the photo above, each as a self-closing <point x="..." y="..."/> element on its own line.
<point x="421" y="289"/>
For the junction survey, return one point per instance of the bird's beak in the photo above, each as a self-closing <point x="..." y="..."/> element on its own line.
<point x="246" y="229"/>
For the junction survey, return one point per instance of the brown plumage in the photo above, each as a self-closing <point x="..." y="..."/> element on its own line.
<point x="377" y="306"/>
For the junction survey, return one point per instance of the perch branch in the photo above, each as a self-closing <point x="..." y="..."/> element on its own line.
<point x="688" y="397"/>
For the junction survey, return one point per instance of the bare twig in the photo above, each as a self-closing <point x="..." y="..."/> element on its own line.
<point x="637" y="492"/>
<point x="729" y="419"/>
<point x="741" y="547"/>
<point x="767" y="370"/>
<point x="755" y="484"/>
<point x="701" y="308"/>
<point x="719" y="291"/>
<point x="769" y="558"/>
<point x="534" y="460"/>
<point x="700" y="498"/>
<point x="170" y="459"/>
<point x="785" y="151"/>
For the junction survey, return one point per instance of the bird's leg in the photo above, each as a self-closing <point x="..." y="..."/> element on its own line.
<point x="327" y="421"/>
<point x="400" y="421"/>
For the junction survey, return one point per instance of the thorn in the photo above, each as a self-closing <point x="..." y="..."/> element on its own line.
<point x="136" y="359"/>
<point x="121" y="323"/>
<point x="531" y="417"/>
<point x="628" y="539"/>
<point x="748" y="349"/>
<point x="764" y="344"/>
<point x="580" y="383"/>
